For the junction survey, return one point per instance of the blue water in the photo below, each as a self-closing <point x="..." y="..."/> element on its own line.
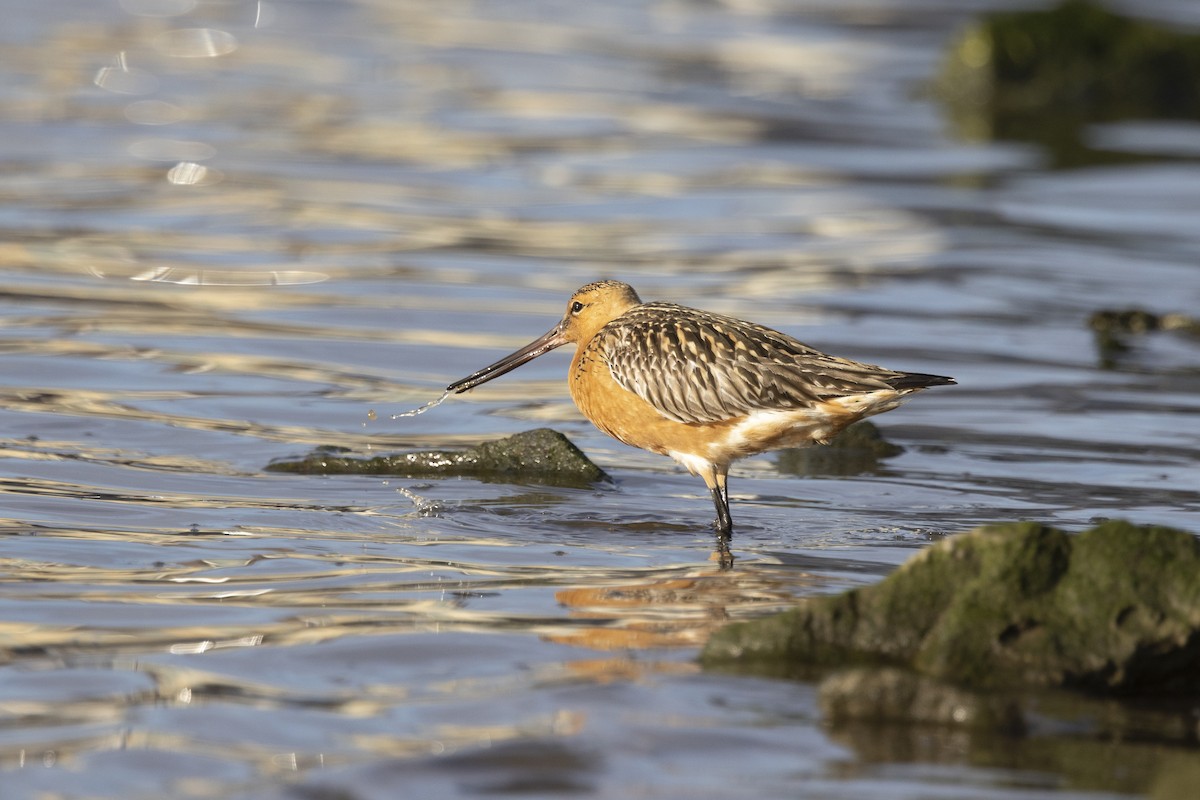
<point x="385" y="197"/>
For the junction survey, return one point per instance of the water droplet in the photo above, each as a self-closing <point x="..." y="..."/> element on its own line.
<point x="423" y="408"/>
<point x="187" y="173"/>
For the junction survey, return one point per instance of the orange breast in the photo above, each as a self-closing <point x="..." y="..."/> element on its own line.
<point x="628" y="418"/>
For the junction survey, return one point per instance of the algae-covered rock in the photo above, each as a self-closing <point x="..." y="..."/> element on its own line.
<point x="537" y="456"/>
<point x="1044" y="74"/>
<point x="1113" y="609"/>
<point x="1113" y="327"/>
<point x="856" y="450"/>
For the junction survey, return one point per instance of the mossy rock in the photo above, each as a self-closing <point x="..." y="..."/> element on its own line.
<point x="1114" y="327"/>
<point x="1113" y="609"/>
<point x="1045" y="74"/>
<point x="537" y="456"/>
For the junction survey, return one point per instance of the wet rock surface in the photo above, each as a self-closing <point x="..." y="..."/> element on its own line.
<point x="1115" y="609"/>
<point x="541" y="455"/>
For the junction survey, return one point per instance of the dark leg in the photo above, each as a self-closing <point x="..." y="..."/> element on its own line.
<point x="715" y="479"/>
<point x="720" y="496"/>
<point x="724" y="524"/>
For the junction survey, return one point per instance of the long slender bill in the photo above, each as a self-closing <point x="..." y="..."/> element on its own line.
<point x="543" y="344"/>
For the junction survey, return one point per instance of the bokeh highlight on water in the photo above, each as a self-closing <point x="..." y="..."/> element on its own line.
<point x="231" y="230"/>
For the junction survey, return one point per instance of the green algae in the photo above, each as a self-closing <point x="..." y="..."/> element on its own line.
<point x="1045" y="75"/>
<point x="541" y="455"/>
<point x="1113" y="609"/>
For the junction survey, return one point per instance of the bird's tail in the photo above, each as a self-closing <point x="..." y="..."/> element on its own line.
<point x="919" y="380"/>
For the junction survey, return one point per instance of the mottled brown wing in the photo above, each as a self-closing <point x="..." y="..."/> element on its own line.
<point x="694" y="366"/>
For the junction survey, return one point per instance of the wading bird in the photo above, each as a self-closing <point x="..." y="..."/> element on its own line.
<point x="704" y="389"/>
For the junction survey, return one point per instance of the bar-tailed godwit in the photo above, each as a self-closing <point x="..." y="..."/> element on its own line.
<point x="704" y="389"/>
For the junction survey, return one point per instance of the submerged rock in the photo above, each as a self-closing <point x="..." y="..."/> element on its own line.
<point x="1103" y="745"/>
<point x="856" y="450"/>
<point x="1115" y="609"/>
<point x="537" y="456"/>
<point x="894" y="695"/>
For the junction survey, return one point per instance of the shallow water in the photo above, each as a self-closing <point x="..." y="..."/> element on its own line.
<point x="233" y="230"/>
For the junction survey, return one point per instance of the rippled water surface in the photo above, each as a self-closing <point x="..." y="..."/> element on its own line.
<point x="231" y="230"/>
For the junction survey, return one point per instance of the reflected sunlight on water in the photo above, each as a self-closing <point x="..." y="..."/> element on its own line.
<point x="234" y="229"/>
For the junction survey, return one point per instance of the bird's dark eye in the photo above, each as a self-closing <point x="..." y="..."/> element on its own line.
<point x="576" y="307"/>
